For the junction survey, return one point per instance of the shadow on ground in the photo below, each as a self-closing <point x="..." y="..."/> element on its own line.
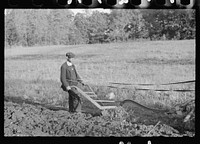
<point x="20" y="100"/>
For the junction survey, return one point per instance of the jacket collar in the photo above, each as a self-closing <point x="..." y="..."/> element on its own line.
<point x="69" y="63"/>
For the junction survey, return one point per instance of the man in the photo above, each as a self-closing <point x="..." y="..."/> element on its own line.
<point x="69" y="77"/>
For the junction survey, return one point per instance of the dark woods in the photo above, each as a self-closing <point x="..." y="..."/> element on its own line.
<point x="30" y="27"/>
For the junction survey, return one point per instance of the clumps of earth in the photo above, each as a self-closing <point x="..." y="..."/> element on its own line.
<point x="22" y="119"/>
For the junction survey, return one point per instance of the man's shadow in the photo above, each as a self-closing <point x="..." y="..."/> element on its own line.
<point x="20" y="100"/>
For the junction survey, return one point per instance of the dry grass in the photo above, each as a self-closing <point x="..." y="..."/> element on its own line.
<point x="29" y="70"/>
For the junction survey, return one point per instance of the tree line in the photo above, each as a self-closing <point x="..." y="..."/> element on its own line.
<point x="30" y="27"/>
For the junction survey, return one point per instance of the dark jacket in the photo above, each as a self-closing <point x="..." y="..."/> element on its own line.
<point x="69" y="76"/>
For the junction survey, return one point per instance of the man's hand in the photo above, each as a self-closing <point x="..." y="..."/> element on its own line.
<point x="81" y="82"/>
<point x="68" y="88"/>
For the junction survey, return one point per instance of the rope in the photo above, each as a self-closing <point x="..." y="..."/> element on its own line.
<point x="152" y="84"/>
<point x="155" y="84"/>
<point x="155" y="89"/>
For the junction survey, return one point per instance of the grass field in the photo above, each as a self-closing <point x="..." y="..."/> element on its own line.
<point x="34" y="72"/>
<point x="38" y="68"/>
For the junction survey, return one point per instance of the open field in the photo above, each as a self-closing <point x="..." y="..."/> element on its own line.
<point x="138" y="62"/>
<point x="34" y="72"/>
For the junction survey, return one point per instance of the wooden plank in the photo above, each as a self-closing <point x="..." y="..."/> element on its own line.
<point x="89" y="92"/>
<point x="108" y="107"/>
<point x="94" y="96"/>
<point x="93" y="101"/>
<point x="88" y="97"/>
<point x="104" y="101"/>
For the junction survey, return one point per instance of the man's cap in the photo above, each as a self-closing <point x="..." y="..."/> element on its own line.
<point x="70" y="54"/>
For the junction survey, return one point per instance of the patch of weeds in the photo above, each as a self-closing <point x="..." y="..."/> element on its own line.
<point x="121" y="94"/>
<point x="158" y="61"/>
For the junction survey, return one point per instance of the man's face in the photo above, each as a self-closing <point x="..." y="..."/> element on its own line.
<point x="68" y="59"/>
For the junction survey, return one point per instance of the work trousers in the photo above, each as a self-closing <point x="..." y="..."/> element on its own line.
<point x="74" y="99"/>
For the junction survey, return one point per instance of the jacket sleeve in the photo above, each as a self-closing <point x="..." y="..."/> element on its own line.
<point x="63" y="77"/>
<point x="77" y="75"/>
